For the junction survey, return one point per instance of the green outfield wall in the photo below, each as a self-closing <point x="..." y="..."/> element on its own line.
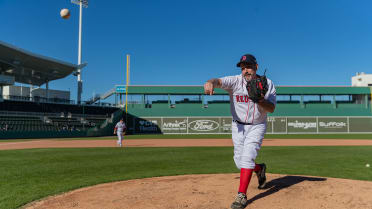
<point x="275" y="125"/>
<point x="291" y="101"/>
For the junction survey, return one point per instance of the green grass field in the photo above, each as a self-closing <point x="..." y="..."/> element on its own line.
<point x="215" y="136"/>
<point x="31" y="174"/>
<point x="267" y="136"/>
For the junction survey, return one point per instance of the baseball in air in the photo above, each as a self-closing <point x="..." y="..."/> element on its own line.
<point x="65" y="13"/>
<point x="367" y="165"/>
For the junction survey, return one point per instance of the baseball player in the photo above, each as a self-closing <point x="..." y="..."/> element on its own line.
<point x="120" y="131"/>
<point x="251" y="97"/>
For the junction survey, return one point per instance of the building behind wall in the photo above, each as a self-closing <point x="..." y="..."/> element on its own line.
<point x="35" y="94"/>
<point x="361" y="79"/>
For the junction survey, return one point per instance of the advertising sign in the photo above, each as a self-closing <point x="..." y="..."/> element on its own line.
<point x="279" y="124"/>
<point x="120" y="89"/>
<point x="147" y="125"/>
<point x="269" y="126"/>
<point x="203" y="125"/>
<point x="225" y="125"/>
<point x="360" y="124"/>
<point x="275" y="125"/>
<point x="174" y="125"/>
<point x="296" y="125"/>
<point x="332" y="124"/>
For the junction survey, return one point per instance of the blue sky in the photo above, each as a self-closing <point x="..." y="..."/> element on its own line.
<point x="186" y="42"/>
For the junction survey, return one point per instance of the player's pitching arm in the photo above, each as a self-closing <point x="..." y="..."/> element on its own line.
<point x="211" y="84"/>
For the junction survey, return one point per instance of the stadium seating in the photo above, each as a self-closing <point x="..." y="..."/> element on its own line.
<point x="20" y="116"/>
<point x="23" y="106"/>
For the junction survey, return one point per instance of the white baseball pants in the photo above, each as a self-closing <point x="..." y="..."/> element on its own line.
<point x="120" y="138"/>
<point x="247" y="140"/>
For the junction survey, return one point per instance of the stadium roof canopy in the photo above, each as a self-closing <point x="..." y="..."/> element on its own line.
<point x="30" y="68"/>
<point x="280" y="90"/>
<point x="323" y="90"/>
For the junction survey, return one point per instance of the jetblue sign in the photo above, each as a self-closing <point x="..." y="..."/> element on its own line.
<point x="120" y="89"/>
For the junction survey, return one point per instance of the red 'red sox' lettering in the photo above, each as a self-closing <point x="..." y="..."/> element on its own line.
<point x="240" y="98"/>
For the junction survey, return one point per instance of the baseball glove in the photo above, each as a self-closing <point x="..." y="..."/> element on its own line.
<point x="257" y="88"/>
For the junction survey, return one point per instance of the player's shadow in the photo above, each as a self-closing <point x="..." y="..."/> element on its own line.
<point x="278" y="184"/>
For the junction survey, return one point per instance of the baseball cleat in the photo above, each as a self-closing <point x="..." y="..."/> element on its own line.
<point x="240" y="201"/>
<point x="261" y="176"/>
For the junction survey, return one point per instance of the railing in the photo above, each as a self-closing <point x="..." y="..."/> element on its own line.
<point x="108" y="93"/>
<point x="17" y="113"/>
<point x="100" y="104"/>
<point x="53" y="101"/>
<point x="100" y="96"/>
<point x="38" y="99"/>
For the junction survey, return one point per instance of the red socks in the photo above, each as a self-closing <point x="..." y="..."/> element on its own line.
<point x="257" y="168"/>
<point x="245" y="178"/>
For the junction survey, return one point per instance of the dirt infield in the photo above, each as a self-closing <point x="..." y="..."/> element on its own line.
<point x="55" y="143"/>
<point x="214" y="192"/>
<point x="207" y="191"/>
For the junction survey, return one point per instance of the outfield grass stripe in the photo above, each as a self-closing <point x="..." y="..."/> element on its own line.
<point x="216" y="136"/>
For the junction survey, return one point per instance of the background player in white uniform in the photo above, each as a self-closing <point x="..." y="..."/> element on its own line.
<point x="120" y="131"/>
<point x="249" y="123"/>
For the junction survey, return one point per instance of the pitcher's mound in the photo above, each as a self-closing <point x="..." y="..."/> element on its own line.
<point x="216" y="191"/>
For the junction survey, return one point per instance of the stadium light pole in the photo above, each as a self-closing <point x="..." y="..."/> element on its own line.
<point x="126" y="89"/>
<point x="81" y="3"/>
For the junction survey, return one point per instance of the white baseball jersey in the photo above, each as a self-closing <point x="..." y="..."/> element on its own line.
<point x="247" y="139"/>
<point x="242" y="108"/>
<point x="120" y="127"/>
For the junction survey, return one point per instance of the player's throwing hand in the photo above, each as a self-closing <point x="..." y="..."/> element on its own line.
<point x="208" y="88"/>
<point x="211" y="84"/>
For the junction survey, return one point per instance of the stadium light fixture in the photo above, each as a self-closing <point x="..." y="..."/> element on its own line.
<point x="81" y="3"/>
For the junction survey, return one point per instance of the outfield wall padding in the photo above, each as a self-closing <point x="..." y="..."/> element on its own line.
<point x="275" y="125"/>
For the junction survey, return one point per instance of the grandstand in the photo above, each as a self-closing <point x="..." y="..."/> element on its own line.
<point x="292" y="101"/>
<point x="29" y="112"/>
